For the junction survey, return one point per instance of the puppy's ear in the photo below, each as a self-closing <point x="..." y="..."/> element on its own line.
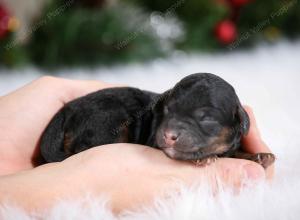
<point x="243" y="118"/>
<point x="158" y="104"/>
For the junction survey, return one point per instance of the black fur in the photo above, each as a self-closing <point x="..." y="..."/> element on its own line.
<point x="198" y="118"/>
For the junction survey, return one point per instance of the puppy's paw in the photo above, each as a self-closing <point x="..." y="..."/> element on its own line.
<point x="264" y="159"/>
<point x="205" y="161"/>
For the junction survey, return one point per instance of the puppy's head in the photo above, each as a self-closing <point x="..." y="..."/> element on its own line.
<point x="201" y="116"/>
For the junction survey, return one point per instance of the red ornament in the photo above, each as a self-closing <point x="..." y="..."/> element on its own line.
<point x="226" y="32"/>
<point x="4" y="18"/>
<point x="239" y="3"/>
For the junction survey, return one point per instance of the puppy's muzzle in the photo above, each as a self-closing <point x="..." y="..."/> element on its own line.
<point x="171" y="137"/>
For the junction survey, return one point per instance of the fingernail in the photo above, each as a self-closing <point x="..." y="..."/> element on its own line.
<point x="254" y="172"/>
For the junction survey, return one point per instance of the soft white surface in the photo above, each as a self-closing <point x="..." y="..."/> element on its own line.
<point x="267" y="78"/>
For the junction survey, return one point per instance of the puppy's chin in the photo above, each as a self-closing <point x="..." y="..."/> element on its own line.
<point x="170" y="152"/>
<point x="199" y="154"/>
<point x="180" y="155"/>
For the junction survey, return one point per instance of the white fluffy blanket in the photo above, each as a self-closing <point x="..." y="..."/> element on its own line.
<point x="267" y="78"/>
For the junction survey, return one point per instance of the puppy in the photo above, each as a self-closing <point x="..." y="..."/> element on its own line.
<point x="199" y="119"/>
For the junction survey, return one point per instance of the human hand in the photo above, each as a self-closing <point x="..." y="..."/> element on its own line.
<point x="129" y="175"/>
<point x="25" y="113"/>
<point x="147" y="171"/>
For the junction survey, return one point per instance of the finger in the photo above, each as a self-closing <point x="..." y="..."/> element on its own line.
<point x="253" y="142"/>
<point x="79" y="88"/>
<point x="234" y="173"/>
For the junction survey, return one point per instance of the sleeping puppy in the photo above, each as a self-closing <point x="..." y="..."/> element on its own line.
<point x="199" y="119"/>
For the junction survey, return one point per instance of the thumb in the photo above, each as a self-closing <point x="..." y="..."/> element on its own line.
<point x="78" y="88"/>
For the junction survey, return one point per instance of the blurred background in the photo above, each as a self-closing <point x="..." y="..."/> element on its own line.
<point x="152" y="44"/>
<point x="53" y="34"/>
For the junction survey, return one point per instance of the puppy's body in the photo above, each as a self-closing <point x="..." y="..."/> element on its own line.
<point x="199" y="118"/>
<point x="114" y="115"/>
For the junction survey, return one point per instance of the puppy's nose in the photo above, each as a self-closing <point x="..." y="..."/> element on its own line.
<point x="171" y="137"/>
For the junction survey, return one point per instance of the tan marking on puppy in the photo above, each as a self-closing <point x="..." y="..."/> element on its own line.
<point x="67" y="143"/>
<point x="218" y="144"/>
<point x="124" y="135"/>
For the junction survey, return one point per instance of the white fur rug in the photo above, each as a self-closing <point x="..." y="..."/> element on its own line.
<point x="267" y="78"/>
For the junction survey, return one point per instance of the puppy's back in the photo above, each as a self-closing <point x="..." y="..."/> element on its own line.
<point x="103" y="117"/>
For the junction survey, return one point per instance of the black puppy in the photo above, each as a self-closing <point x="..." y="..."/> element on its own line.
<point x="200" y="118"/>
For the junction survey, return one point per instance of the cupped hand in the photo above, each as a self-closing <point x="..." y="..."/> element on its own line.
<point x="25" y="113"/>
<point x="130" y="174"/>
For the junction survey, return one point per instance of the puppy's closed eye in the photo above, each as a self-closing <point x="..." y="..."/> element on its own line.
<point x="207" y="119"/>
<point x="203" y="115"/>
<point x="209" y="124"/>
<point x="210" y="127"/>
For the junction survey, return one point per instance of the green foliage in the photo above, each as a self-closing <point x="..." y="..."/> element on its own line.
<point x="190" y="11"/>
<point x="88" y="32"/>
<point x="199" y="18"/>
<point x="84" y="36"/>
<point x="11" y="54"/>
<point x="283" y="15"/>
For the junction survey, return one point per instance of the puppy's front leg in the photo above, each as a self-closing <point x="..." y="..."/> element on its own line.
<point x="264" y="159"/>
